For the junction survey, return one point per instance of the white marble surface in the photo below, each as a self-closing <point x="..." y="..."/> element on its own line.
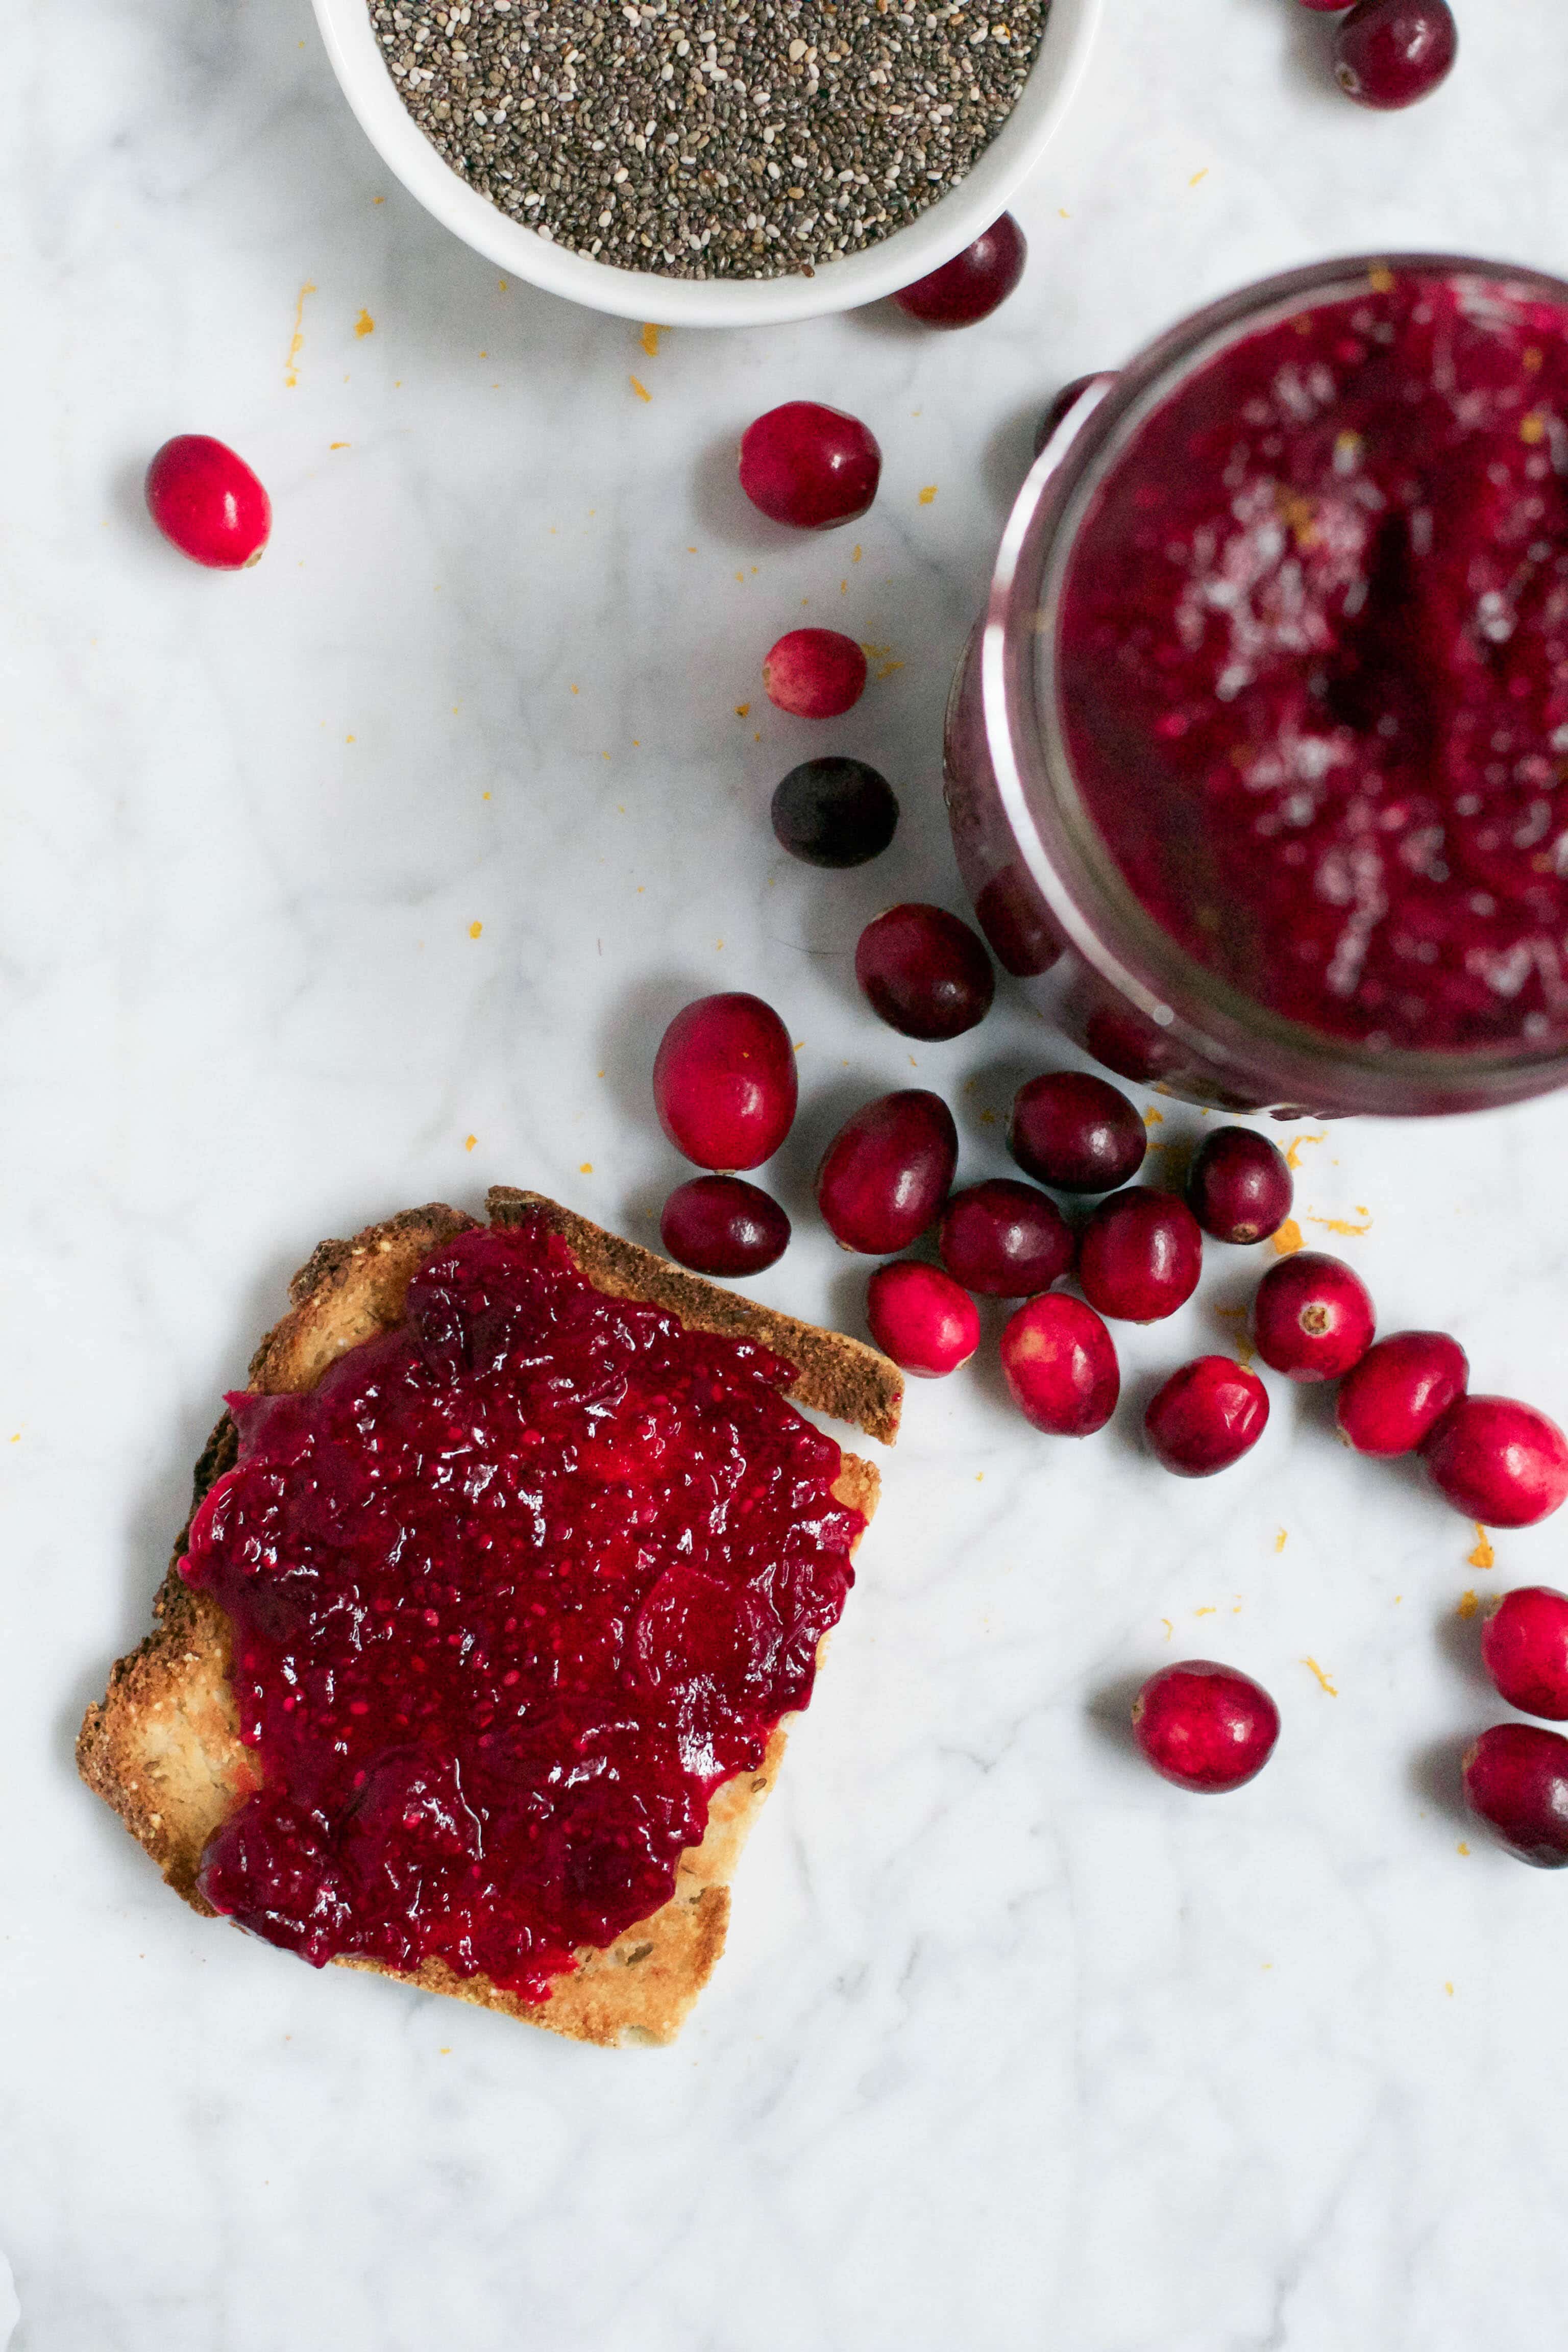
<point x="1013" y="2046"/>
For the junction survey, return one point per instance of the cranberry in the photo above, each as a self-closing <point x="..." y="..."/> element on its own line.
<point x="1516" y="1780"/>
<point x="920" y="1318"/>
<point x="886" y="1173"/>
<point x="1389" y="53"/>
<point x="1012" y="915"/>
<point x="1327" y="8"/>
<point x="1240" y="1188"/>
<point x="724" y="1081"/>
<point x="1205" y="1726"/>
<point x="1525" y="1649"/>
<point x="1390" y="1400"/>
<point x="924" y="972"/>
<point x="1312" y="1316"/>
<point x="809" y="466"/>
<point x="1140" y="1256"/>
<point x="208" y="503"/>
<point x="835" y="813"/>
<point x="721" y="1224"/>
<point x="1499" y="1460"/>
<point x="974" y="283"/>
<point x="1206" y="1417"/>
<point x="1004" y="1239"/>
<point x="1059" y="1362"/>
<point x="1068" y="397"/>
<point x="814" y="674"/>
<point x="1076" y="1133"/>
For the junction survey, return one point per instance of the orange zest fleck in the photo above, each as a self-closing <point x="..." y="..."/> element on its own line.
<point x="742" y="710"/>
<point x="928" y="494"/>
<point x="1461" y="1847"/>
<point x="470" y="1143"/>
<point x="1292" y="1156"/>
<point x="474" y="929"/>
<point x="1380" y="279"/>
<point x="1467" y="1604"/>
<point x="1322" y="1677"/>
<point x="587" y="1168"/>
<point x="1289" y="1238"/>
<point x="1197" y="176"/>
<point x="649" y="340"/>
<point x="365" y="324"/>
<point x="1170" y="1629"/>
<point x="297" y="340"/>
<point x="1532" y="428"/>
<point x="340" y="444"/>
<point x="1152" y="1118"/>
<point x="641" y="390"/>
<point x="1338" y="1224"/>
<point x="1483" y="1555"/>
<point x="1283" y="1539"/>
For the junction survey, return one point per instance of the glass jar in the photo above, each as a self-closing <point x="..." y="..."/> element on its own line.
<point x="1052" y="900"/>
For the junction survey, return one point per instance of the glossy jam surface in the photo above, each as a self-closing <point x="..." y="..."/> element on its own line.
<point x="511" y="1592"/>
<point x="1314" y="665"/>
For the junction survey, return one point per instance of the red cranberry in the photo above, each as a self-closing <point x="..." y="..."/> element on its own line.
<point x="1068" y="397"/>
<point x="924" y="972"/>
<point x="1312" y="1316"/>
<point x="1327" y="8"/>
<point x="1240" y="1187"/>
<point x="1206" y="1417"/>
<point x="1004" y="1239"/>
<point x="1525" y="1649"/>
<point x="886" y="1173"/>
<point x="835" y="813"/>
<point x="1140" y="1256"/>
<point x="1389" y="53"/>
<point x="1059" y="1362"/>
<point x="1516" y="1780"/>
<point x="208" y="503"/>
<point x="724" y="1081"/>
<point x="920" y="1318"/>
<point x="1076" y="1133"/>
<point x="809" y="466"/>
<point x="814" y="674"/>
<point x="1012" y="915"/>
<point x="1499" y="1460"/>
<point x="1390" y="1400"/>
<point x="974" y="283"/>
<point x="721" y="1224"/>
<point x="1205" y="1726"/>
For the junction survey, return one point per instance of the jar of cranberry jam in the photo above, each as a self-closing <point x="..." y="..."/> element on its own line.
<point x="1257" y="764"/>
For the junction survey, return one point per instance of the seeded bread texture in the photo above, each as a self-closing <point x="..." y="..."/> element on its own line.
<point x="163" y="1746"/>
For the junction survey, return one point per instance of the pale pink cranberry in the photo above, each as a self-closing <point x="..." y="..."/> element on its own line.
<point x="974" y="283"/>
<point x="1005" y="1239"/>
<point x="886" y="1173"/>
<point x="1499" y="1460"/>
<point x="721" y="1224"/>
<point x="1206" y="1417"/>
<point x="1312" y="1318"/>
<point x="1239" y="1187"/>
<point x="1516" y="1780"/>
<point x="1402" y="1387"/>
<point x="1059" y="1362"/>
<point x="810" y="467"/>
<point x="1075" y="1133"/>
<point x="1525" y="1649"/>
<point x="814" y="674"/>
<point x="1205" y="1726"/>
<point x="924" y="972"/>
<point x="920" y="1318"/>
<point x="1140" y="1256"/>
<point x="724" y="1081"/>
<point x="208" y="503"/>
<point x="1389" y="53"/>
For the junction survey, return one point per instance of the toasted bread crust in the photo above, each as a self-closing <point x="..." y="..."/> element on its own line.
<point x="163" y="1750"/>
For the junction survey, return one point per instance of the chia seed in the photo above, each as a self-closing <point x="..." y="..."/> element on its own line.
<point x="757" y="138"/>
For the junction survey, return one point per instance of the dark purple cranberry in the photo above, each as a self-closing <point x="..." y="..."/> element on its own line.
<point x="721" y="1224"/>
<point x="835" y="813"/>
<point x="1075" y="1133"/>
<point x="1389" y="53"/>
<point x="1312" y="1318"/>
<point x="1525" y="1649"/>
<point x="1391" y="1401"/>
<point x="1012" y="916"/>
<point x="1140" y="1256"/>
<point x="974" y="283"/>
<point x="924" y="972"/>
<point x="1205" y="1726"/>
<point x="886" y="1173"/>
<point x="1516" y="1780"/>
<point x="1206" y="1417"/>
<point x="1004" y="1239"/>
<point x="920" y="1318"/>
<point x="1068" y="397"/>
<point x="1059" y="1364"/>
<point x="810" y="467"/>
<point x="1239" y="1188"/>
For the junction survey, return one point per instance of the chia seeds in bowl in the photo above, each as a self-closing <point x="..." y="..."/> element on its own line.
<point x="755" y="139"/>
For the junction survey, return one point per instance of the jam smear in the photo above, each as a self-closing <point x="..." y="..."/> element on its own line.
<point x="1314" y="663"/>
<point x="511" y="1592"/>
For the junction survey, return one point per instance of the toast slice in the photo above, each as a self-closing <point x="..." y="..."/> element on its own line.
<point x="163" y="1750"/>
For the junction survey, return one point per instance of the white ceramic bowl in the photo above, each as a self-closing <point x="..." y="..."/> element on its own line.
<point x="950" y="224"/>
